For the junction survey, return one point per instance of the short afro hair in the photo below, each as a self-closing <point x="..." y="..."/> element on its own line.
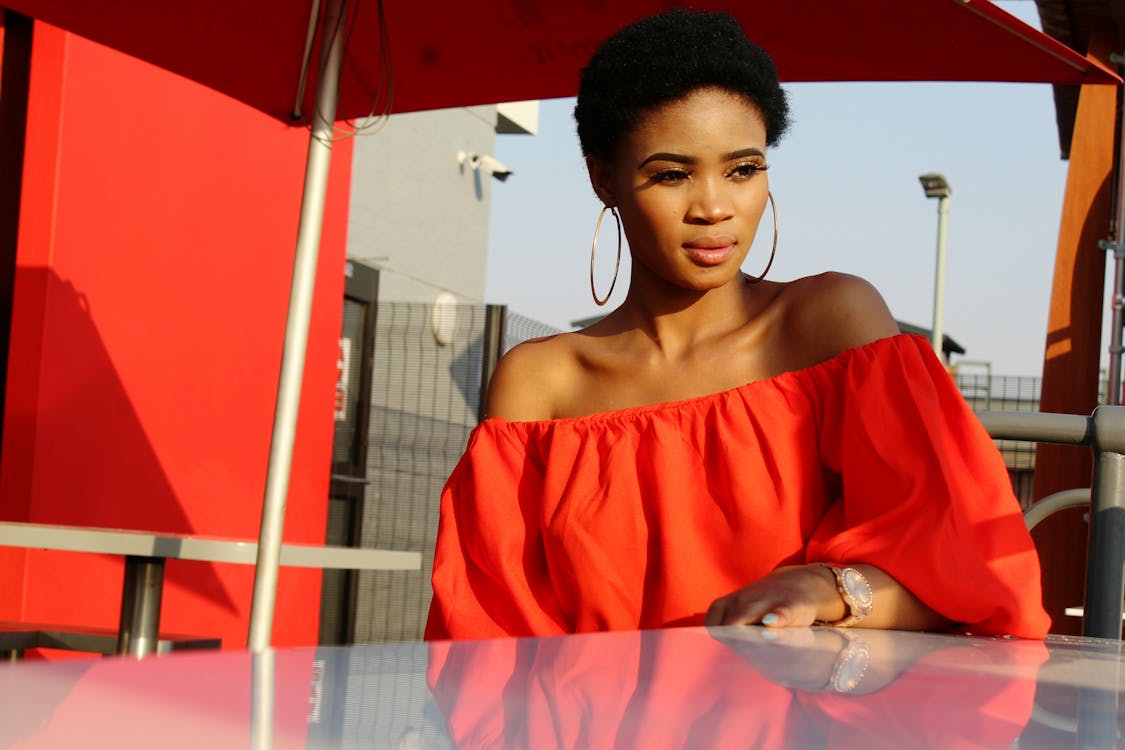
<point x="665" y="57"/>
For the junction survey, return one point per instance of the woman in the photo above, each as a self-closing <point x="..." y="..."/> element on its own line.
<point x="721" y="449"/>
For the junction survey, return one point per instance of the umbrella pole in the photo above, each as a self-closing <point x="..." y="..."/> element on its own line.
<point x="297" y="330"/>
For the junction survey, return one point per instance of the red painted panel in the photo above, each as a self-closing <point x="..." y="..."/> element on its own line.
<point x="161" y="241"/>
<point x="449" y="54"/>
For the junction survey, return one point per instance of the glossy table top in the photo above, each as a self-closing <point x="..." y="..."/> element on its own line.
<point x="689" y="687"/>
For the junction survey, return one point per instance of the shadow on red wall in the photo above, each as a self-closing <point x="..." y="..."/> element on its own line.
<point x="83" y="425"/>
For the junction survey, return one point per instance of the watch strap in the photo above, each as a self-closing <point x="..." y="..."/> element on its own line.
<point x="856" y="603"/>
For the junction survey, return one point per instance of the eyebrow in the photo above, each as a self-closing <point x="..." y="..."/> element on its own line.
<point x="682" y="159"/>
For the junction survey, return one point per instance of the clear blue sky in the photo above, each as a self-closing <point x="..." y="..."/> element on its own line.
<point x="845" y="179"/>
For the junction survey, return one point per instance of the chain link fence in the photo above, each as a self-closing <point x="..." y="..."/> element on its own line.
<point x="425" y="399"/>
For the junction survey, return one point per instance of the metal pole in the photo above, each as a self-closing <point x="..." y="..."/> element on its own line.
<point x="1105" y="566"/>
<point x="939" y="274"/>
<point x="1038" y="427"/>
<point x="1117" y="303"/>
<point x="263" y="683"/>
<point x="297" y="329"/>
<point x="493" y="345"/>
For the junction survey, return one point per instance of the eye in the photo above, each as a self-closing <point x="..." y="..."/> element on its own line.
<point x="747" y="170"/>
<point x="670" y="176"/>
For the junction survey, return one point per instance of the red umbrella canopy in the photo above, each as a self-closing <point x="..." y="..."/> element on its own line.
<point x="462" y="52"/>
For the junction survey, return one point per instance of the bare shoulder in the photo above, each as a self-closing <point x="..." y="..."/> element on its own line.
<point x="528" y="379"/>
<point x="833" y="312"/>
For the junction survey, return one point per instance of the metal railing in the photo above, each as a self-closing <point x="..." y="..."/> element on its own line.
<point x="1104" y="432"/>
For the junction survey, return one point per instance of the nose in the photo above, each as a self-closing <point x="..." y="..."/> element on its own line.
<point x="710" y="202"/>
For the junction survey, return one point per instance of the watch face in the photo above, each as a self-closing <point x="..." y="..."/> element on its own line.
<point x="849" y="672"/>
<point x="856" y="587"/>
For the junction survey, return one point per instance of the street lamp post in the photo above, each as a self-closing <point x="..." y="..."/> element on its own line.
<point x="936" y="186"/>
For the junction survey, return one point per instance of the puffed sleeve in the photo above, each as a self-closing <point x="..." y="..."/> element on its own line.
<point x="490" y="574"/>
<point x="925" y="495"/>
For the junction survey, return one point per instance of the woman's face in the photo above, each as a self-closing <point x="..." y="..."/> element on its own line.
<point x="690" y="185"/>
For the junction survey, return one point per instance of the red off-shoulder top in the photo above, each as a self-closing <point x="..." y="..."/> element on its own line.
<point x="640" y="518"/>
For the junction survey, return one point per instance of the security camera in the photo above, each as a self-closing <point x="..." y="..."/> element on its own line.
<point x="468" y="159"/>
<point x="484" y="162"/>
<point x="493" y="165"/>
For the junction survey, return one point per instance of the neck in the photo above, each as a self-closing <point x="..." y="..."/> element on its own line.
<point x="676" y="320"/>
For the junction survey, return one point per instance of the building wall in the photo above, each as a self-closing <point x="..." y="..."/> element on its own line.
<point x="416" y="214"/>
<point x="157" y="237"/>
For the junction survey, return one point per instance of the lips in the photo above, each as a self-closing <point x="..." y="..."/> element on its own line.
<point x="710" y="251"/>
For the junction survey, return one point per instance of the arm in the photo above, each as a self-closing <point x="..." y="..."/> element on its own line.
<point x="800" y="595"/>
<point x="826" y="315"/>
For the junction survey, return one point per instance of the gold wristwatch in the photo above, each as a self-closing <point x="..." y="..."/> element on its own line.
<point x="856" y="593"/>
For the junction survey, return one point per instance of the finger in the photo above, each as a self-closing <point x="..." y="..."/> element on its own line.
<point x="732" y="610"/>
<point x="715" y="613"/>
<point x="791" y="616"/>
<point x="746" y="612"/>
<point x="782" y="616"/>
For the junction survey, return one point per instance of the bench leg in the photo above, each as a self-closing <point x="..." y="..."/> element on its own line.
<point x="138" y="631"/>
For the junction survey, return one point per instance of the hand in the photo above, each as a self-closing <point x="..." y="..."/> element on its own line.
<point x="824" y="659"/>
<point x="800" y="658"/>
<point x="791" y="596"/>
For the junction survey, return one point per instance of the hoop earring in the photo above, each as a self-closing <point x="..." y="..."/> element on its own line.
<point x="594" y="249"/>
<point x="773" y="249"/>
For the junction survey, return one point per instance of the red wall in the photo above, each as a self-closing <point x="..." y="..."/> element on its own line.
<point x="157" y="236"/>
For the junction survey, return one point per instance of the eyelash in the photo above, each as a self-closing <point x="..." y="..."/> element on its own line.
<point x="752" y="168"/>
<point x="676" y="175"/>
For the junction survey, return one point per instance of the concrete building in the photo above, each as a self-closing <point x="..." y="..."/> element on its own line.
<point x="420" y="199"/>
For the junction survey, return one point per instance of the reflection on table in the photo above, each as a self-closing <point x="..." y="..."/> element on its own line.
<point x="690" y="687"/>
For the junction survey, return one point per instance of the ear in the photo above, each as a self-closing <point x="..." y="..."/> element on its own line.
<point x="601" y="179"/>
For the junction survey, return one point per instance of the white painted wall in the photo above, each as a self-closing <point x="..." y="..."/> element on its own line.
<point x="416" y="214"/>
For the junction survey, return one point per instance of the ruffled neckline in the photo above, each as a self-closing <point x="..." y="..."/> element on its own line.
<point x="677" y="405"/>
